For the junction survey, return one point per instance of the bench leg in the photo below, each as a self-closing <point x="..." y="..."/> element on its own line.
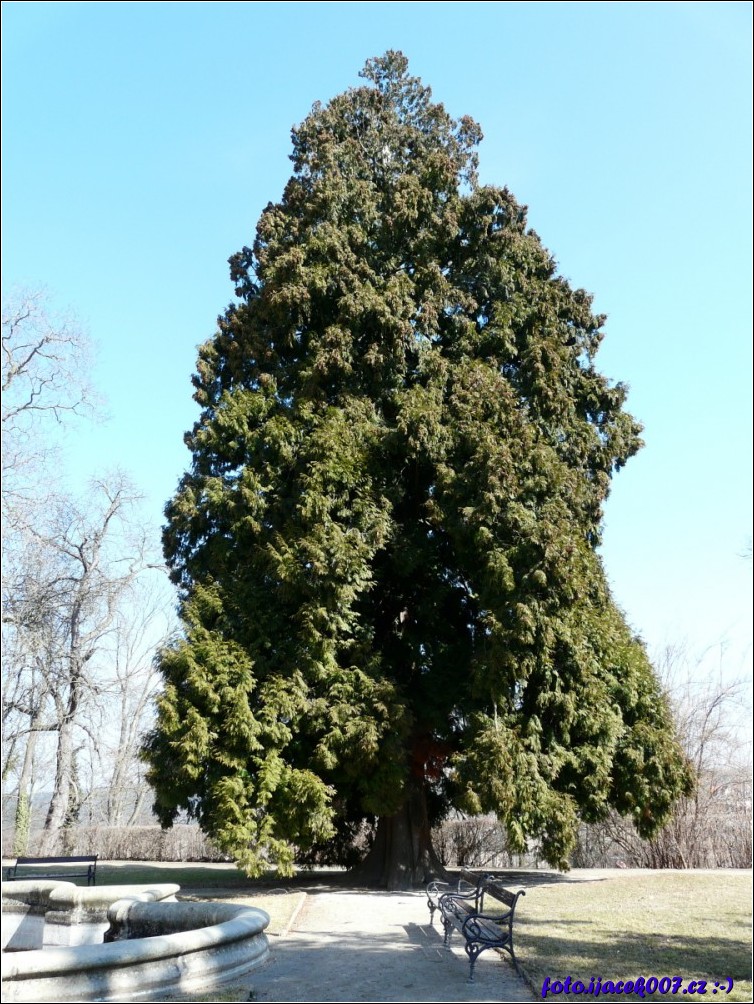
<point x="473" y="952"/>
<point x="509" y="948"/>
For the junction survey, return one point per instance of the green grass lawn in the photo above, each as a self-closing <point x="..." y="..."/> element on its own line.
<point x="619" y="926"/>
<point x="188" y="875"/>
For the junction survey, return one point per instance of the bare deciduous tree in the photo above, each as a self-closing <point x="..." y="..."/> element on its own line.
<point x="77" y="626"/>
<point x="45" y="357"/>
<point x="130" y="683"/>
<point x="46" y="362"/>
<point x="712" y="827"/>
<point x="60" y="615"/>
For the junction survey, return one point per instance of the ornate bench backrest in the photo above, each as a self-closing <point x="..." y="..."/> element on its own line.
<point x="494" y="888"/>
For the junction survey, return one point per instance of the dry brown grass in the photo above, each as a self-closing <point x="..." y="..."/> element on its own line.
<point x="618" y="926"/>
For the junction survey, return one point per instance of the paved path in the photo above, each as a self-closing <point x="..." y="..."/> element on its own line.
<point x="376" y="946"/>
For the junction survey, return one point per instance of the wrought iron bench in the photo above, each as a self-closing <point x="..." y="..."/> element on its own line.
<point x="38" y="868"/>
<point x="481" y="927"/>
<point x="466" y="886"/>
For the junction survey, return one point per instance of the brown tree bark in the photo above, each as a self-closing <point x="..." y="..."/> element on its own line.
<point x="402" y="856"/>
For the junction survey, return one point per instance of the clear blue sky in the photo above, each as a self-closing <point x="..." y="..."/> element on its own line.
<point x="142" y="140"/>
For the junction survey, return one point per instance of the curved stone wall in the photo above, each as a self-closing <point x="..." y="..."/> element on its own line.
<point x="152" y="947"/>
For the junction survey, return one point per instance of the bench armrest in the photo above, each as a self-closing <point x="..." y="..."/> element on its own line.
<point x="459" y="904"/>
<point x="437" y="890"/>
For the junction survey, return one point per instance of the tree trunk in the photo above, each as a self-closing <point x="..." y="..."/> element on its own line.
<point x="58" y="813"/>
<point x="23" y="805"/>
<point x="59" y="804"/>
<point x="402" y="856"/>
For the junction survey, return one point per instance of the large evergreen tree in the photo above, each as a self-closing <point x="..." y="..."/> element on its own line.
<point x="386" y="544"/>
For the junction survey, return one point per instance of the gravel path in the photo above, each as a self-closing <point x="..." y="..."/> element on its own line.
<point x="376" y="946"/>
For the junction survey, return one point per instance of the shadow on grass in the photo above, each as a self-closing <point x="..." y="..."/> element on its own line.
<point x="630" y="955"/>
<point x="219" y="875"/>
<point x="192" y="875"/>
<point x="530" y="879"/>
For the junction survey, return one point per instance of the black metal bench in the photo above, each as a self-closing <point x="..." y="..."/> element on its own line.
<point x="38" y="868"/>
<point x="466" y="886"/>
<point x="481" y="927"/>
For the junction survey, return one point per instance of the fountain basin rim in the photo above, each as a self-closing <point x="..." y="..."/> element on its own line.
<point x="65" y="895"/>
<point x="40" y="963"/>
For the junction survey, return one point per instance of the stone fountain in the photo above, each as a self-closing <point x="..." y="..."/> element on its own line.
<point x="63" y="942"/>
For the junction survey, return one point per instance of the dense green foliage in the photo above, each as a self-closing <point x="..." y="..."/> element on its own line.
<point x="386" y="542"/>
